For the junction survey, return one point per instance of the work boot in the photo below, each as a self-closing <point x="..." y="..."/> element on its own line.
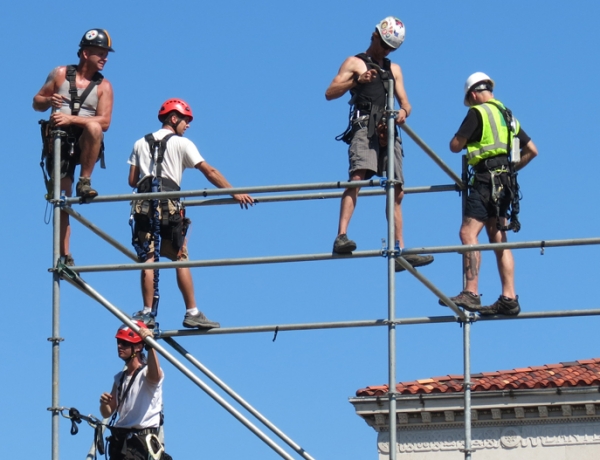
<point x="84" y="188"/>
<point x="199" y="321"/>
<point x="502" y="306"/>
<point x="467" y="300"/>
<point x="342" y="245"/>
<point x="415" y="260"/>
<point x="67" y="260"/>
<point x="146" y="318"/>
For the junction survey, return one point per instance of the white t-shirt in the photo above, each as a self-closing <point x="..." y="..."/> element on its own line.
<point x="143" y="403"/>
<point x="181" y="153"/>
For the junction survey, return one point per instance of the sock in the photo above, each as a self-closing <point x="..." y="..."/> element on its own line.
<point x="192" y="311"/>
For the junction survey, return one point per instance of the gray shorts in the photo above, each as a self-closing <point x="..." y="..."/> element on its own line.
<point x="365" y="153"/>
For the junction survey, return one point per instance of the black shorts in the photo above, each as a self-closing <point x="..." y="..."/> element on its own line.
<point x="70" y="155"/>
<point x="479" y="204"/>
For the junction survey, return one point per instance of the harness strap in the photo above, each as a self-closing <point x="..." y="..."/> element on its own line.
<point x="76" y="99"/>
<point x="121" y="395"/>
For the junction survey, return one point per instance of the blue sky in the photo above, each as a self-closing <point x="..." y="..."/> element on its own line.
<point x="255" y="74"/>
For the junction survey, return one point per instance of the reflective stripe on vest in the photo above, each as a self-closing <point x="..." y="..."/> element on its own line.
<point x="495" y="134"/>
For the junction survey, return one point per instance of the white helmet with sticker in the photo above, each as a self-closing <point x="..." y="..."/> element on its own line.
<point x="392" y="31"/>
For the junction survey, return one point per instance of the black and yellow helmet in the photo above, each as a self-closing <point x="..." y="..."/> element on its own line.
<point x="96" y="37"/>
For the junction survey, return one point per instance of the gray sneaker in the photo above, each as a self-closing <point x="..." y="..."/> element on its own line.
<point x="146" y="318"/>
<point x="415" y="260"/>
<point x="199" y="321"/>
<point x="502" y="306"/>
<point x="467" y="300"/>
<point x="84" y="188"/>
<point x="342" y="245"/>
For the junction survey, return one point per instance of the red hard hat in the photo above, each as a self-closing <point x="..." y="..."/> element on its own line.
<point x="177" y="105"/>
<point x="128" y="334"/>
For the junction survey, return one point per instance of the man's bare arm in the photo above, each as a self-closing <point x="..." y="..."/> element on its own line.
<point x="213" y="175"/>
<point x="352" y="72"/>
<point x="457" y="144"/>
<point x="528" y="153"/>
<point x="401" y="95"/>
<point x="43" y="100"/>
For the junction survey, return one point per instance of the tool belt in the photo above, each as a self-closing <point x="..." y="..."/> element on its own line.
<point x="131" y="444"/>
<point x="173" y="223"/>
<point x="497" y="184"/>
<point x="492" y="163"/>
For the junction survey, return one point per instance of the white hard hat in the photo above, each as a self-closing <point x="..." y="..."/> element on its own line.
<point x="392" y="31"/>
<point x="473" y="79"/>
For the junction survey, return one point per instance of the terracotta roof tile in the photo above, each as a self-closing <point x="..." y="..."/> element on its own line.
<point x="571" y="374"/>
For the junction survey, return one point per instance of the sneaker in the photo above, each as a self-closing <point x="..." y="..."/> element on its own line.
<point x="466" y="299"/>
<point x="199" y="321"/>
<point x="415" y="260"/>
<point x="67" y="260"/>
<point x="342" y="245"/>
<point x="502" y="306"/>
<point x="146" y="318"/>
<point x="84" y="188"/>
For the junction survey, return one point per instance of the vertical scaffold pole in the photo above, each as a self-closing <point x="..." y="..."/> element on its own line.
<point x="466" y="330"/>
<point x="55" y="339"/>
<point x="467" y="385"/>
<point x="390" y="189"/>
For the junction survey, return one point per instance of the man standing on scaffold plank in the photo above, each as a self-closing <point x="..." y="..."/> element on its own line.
<point x="364" y="75"/>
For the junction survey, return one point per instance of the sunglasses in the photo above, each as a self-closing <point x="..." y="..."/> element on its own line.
<point x="123" y="343"/>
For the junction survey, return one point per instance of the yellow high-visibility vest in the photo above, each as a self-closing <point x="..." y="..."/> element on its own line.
<point x="495" y="136"/>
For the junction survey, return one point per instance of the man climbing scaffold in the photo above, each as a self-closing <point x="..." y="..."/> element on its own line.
<point x="136" y="399"/>
<point x="161" y="158"/>
<point x="365" y="75"/>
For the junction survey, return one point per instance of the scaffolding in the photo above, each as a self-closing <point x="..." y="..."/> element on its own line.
<point x="392" y="253"/>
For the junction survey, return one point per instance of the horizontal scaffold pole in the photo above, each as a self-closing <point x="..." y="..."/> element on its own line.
<point x="460" y="249"/>
<point x="375" y="322"/>
<point x="231" y="191"/>
<point x="74" y="279"/>
<point x="321" y="196"/>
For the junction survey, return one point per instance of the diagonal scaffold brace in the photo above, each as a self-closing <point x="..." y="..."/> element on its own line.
<point x="75" y="280"/>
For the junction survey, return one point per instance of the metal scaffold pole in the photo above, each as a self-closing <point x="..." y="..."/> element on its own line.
<point x="391" y="260"/>
<point x="55" y="338"/>
<point x="466" y="327"/>
<point x="467" y="386"/>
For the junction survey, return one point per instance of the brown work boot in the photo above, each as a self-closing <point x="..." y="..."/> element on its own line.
<point x="84" y="188"/>
<point x="467" y="300"/>
<point x="416" y="260"/>
<point x="502" y="306"/>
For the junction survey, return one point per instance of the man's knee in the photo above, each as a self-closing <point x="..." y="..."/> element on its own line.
<point x="93" y="131"/>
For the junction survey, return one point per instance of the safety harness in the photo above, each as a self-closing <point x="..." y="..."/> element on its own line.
<point x="145" y="216"/>
<point x="503" y="186"/>
<point x="368" y="101"/>
<point x="71" y="133"/>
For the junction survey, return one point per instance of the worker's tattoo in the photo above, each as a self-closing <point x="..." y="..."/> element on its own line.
<point x="51" y="76"/>
<point x="471" y="266"/>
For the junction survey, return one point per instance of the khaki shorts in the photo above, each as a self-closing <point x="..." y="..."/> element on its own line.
<point x="166" y="246"/>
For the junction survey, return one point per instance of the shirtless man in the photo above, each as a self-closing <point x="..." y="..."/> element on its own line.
<point x="363" y="76"/>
